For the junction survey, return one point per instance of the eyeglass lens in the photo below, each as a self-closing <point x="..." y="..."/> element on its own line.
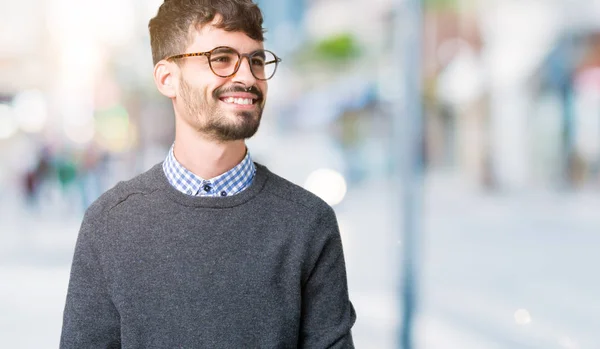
<point x="224" y="60"/>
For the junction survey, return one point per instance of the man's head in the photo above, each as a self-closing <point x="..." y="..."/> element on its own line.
<point x="223" y="104"/>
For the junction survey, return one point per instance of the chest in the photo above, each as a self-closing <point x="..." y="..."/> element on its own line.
<point x="209" y="261"/>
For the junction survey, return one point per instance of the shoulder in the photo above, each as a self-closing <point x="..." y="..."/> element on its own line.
<point x="144" y="183"/>
<point x="284" y="190"/>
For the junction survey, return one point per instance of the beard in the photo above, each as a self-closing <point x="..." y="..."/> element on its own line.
<point x="211" y="119"/>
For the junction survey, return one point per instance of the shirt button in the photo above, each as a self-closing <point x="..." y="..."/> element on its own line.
<point x="223" y="193"/>
<point x="207" y="188"/>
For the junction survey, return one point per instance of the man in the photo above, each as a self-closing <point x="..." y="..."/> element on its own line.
<point x="208" y="249"/>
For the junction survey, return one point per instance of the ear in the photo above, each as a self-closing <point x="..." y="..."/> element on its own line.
<point x="165" y="79"/>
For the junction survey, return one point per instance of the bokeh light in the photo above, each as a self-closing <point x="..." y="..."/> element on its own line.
<point x="80" y="133"/>
<point x="114" y="128"/>
<point x="8" y="124"/>
<point x="31" y="111"/>
<point x="327" y="184"/>
<point x="522" y="317"/>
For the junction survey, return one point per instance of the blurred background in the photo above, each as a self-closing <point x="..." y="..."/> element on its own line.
<point x="505" y="207"/>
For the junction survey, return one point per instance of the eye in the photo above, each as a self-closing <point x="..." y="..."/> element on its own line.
<point x="220" y="59"/>
<point x="258" y="62"/>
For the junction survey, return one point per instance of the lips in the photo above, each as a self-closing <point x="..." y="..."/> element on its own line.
<point x="239" y="96"/>
<point x="238" y="100"/>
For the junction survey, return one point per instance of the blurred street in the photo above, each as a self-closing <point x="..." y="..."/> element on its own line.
<point x="496" y="103"/>
<point x="498" y="271"/>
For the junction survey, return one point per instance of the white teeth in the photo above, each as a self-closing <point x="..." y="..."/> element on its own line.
<point x="241" y="101"/>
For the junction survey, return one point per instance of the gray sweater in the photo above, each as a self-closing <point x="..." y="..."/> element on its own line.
<point x="155" y="268"/>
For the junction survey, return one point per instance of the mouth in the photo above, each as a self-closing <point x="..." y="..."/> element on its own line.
<point x="240" y="98"/>
<point x="239" y="101"/>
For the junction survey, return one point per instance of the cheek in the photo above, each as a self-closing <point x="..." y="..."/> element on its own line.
<point x="209" y="89"/>
<point x="205" y="93"/>
<point x="264" y="87"/>
<point x="204" y="85"/>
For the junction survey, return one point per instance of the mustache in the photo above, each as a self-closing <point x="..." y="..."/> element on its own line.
<point x="253" y="89"/>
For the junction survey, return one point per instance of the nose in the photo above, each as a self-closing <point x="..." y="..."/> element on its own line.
<point x="244" y="73"/>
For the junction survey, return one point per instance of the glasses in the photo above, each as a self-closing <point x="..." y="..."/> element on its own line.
<point x="225" y="61"/>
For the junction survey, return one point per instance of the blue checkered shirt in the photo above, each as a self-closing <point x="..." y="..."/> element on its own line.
<point x="229" y="183"/>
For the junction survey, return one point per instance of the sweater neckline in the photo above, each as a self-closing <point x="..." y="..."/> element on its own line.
<point x="257" y="185"/>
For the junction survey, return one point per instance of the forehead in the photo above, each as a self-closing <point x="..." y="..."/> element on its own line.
<point x="208" y="37"/>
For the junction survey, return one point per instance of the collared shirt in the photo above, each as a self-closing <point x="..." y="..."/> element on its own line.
<point x="229" y="183"/>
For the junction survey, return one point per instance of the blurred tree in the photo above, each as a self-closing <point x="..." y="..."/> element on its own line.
<point x="449" y="4"/>
<point x="341" y="47"/>
<point x="327" y="54"/>
<point x="328" y="58"/>
<point x="441" y="4"/>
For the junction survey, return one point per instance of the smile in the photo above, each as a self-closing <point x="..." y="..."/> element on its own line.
<point x="239" y="101"/>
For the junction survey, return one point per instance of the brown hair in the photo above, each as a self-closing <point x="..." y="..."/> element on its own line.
<point x="171" y="28"/>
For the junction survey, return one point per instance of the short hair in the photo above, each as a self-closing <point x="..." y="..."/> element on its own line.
<point x="172" y="27"/>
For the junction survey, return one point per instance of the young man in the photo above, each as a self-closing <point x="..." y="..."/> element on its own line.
<point x="208" y="249"/>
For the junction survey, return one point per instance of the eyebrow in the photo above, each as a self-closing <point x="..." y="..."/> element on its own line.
<point x="262" y="55"/>
<point x="227" y="50"/>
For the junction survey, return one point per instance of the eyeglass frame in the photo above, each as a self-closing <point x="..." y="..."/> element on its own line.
<point x="238" y="64"/>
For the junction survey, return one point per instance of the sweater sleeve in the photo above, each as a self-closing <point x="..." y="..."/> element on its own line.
<point x="90" y="318"/>
<point x="327" y="313"/>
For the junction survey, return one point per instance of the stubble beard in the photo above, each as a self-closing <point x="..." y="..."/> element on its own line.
<point x="209" y="118"/>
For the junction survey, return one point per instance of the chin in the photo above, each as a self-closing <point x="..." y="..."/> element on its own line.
<point x="244" y="130"/>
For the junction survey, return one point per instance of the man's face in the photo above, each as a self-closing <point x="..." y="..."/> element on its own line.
<point x="223" y="109"/>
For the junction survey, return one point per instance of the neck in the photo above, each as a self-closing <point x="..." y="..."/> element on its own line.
<point x="207" y="158"/>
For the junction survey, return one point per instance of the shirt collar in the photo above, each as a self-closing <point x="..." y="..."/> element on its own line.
<point x="229" y="183"/>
